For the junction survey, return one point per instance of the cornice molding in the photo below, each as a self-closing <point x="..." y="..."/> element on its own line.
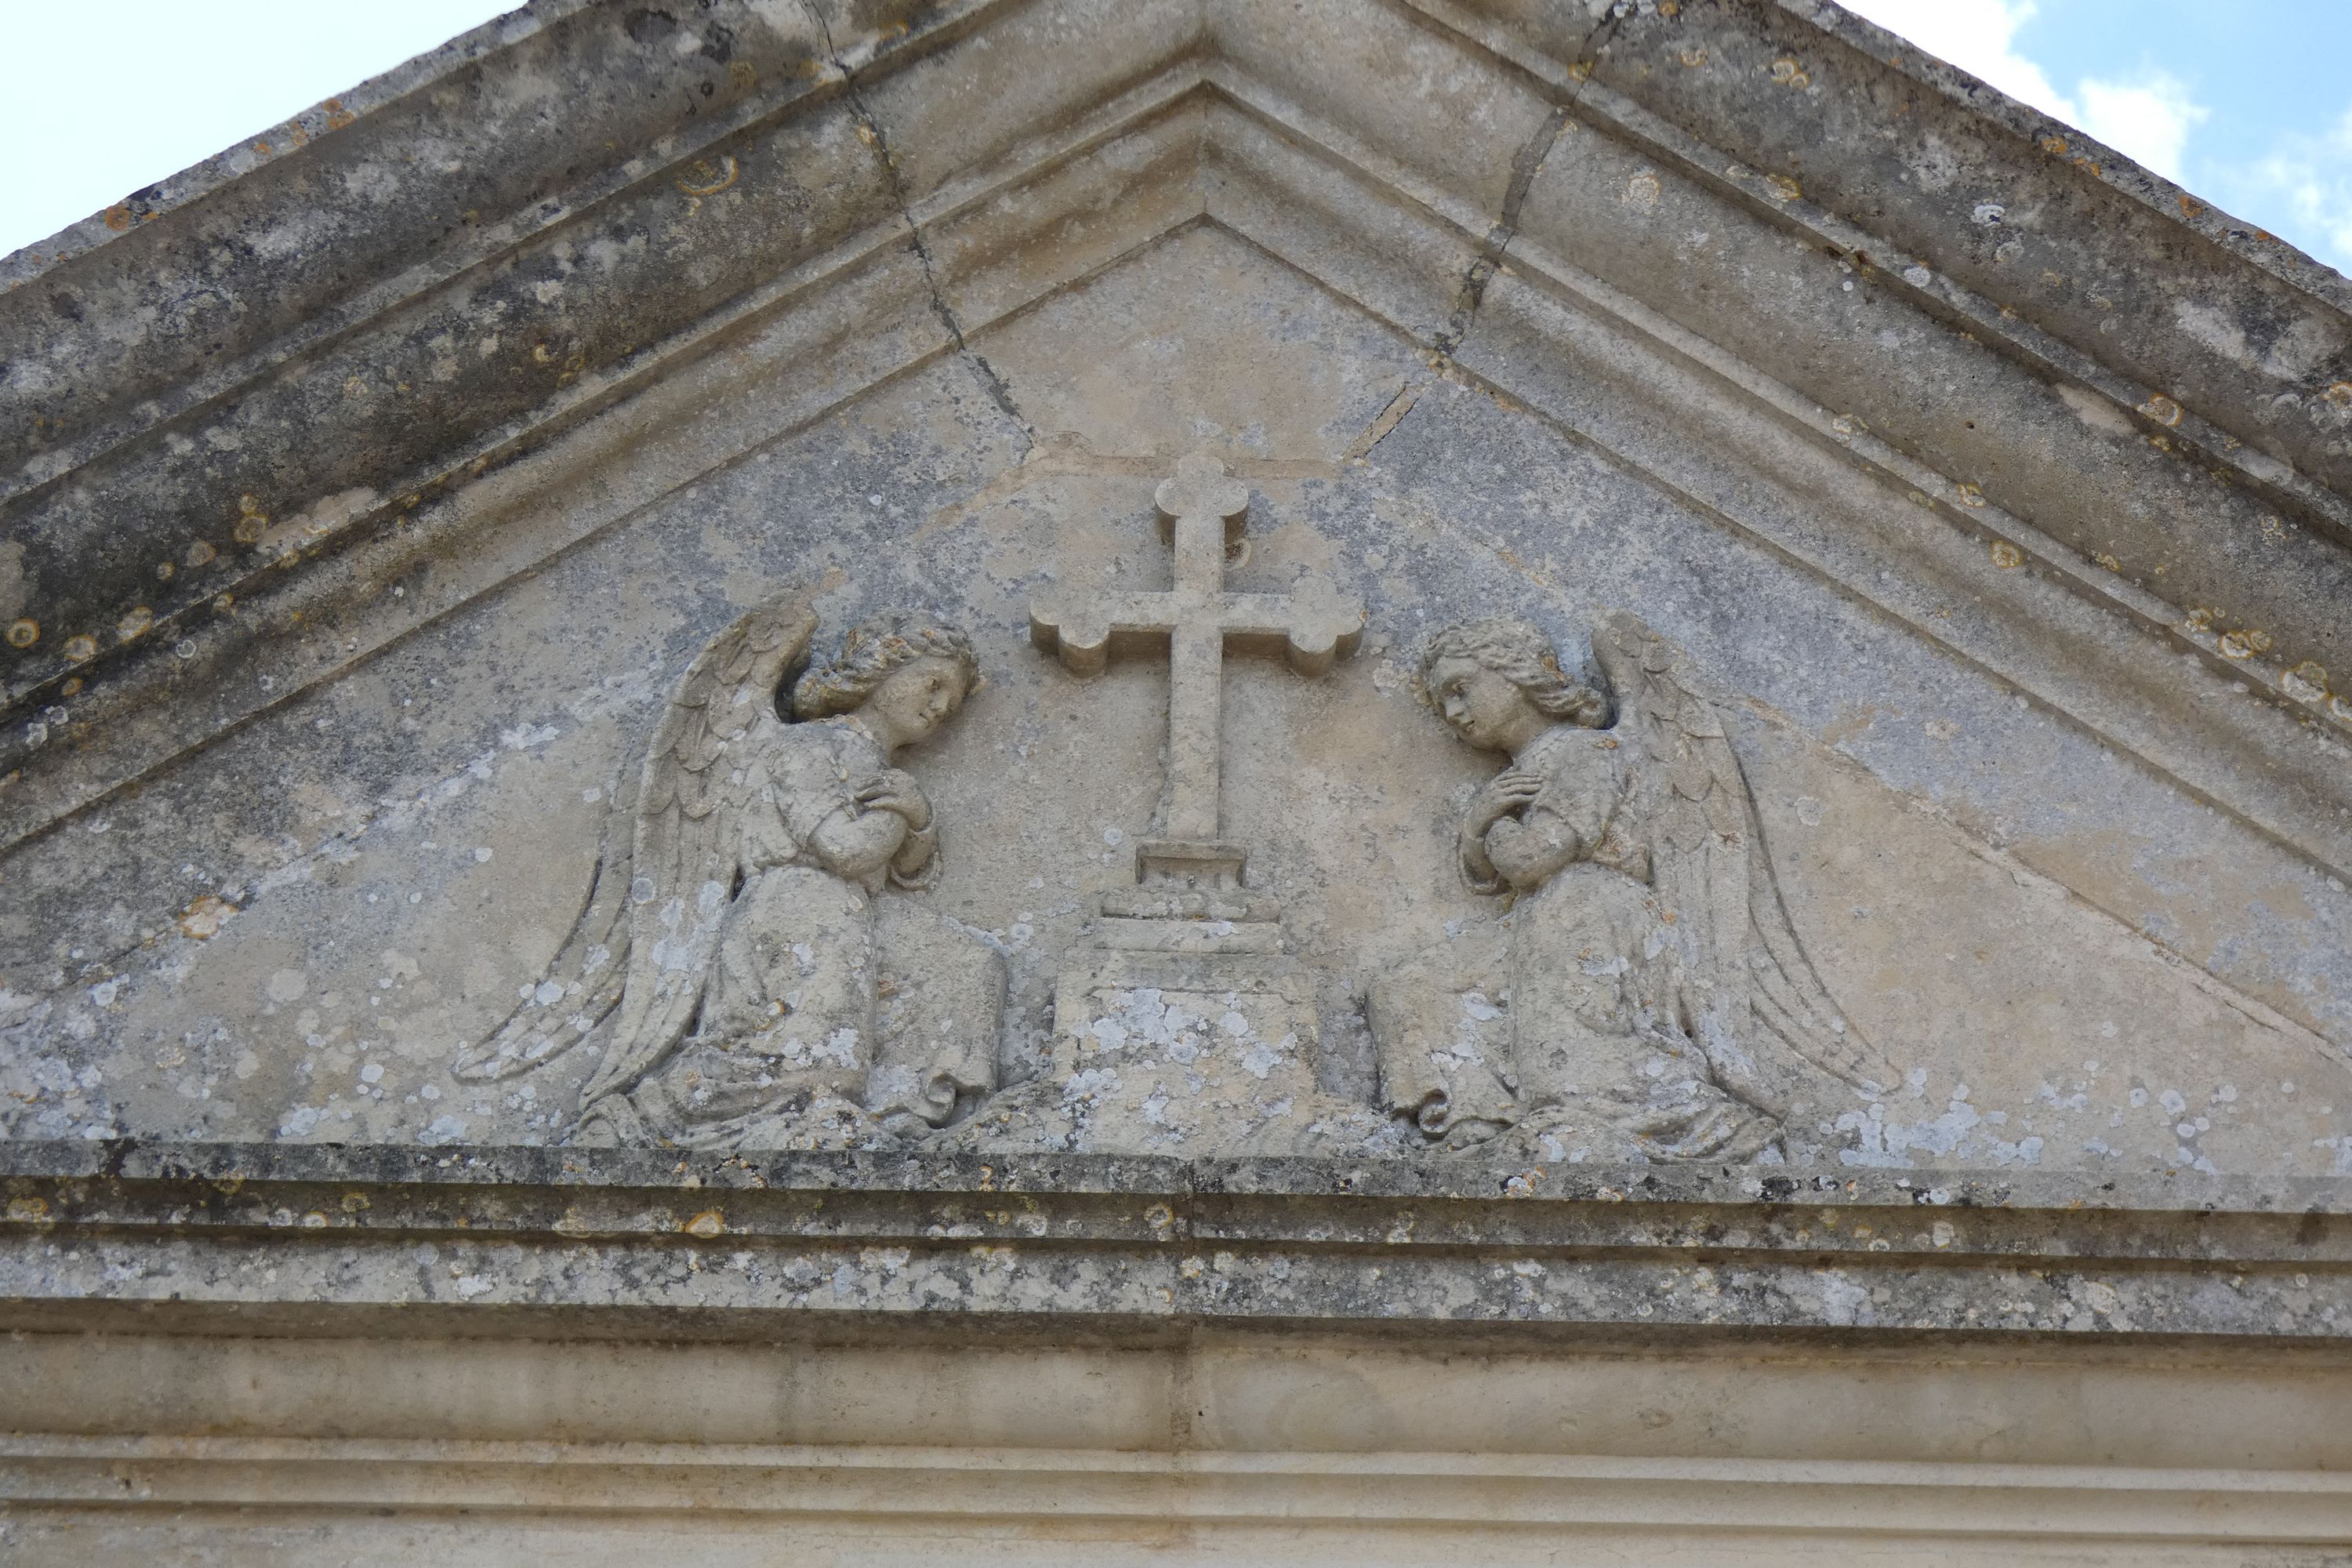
<point x="1155" y="1241"/>
<point x="1191" y="121"/>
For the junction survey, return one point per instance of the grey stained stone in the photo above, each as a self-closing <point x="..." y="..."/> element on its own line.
<point x="1098" y="780"/>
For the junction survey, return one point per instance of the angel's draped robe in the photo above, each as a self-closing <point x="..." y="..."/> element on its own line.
<point x="1592" y="979"/>
<point x="793" y="1030"/>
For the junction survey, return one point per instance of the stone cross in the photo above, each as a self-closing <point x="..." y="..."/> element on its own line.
<point x="1197" y="618"/>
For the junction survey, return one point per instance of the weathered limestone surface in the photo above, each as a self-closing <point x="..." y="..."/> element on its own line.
<point x="1067" y="779"/>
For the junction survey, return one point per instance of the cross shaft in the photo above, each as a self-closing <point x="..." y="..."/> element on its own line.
<point x="1197" y="618"/>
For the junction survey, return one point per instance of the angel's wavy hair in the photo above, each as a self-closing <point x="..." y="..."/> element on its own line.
<point x="873" y="649"/>
<point x="1521" y="654"/>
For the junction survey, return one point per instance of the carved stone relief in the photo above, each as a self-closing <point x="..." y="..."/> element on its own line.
<point x="1190" y="1026"/>
<point x="754" y="975"/>
<point x="1643" y="995"/>
<point x="750" y="975"/>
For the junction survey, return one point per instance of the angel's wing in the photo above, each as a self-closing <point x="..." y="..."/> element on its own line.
<point x="1751" y="992"/>
<point x="681" y="862"/>
<point x="635" y="964"/>
<point x="582" y="986"/>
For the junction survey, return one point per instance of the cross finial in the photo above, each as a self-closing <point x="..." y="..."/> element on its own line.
<point x="1202" y="489"/>
<point x="1197" y="618"/>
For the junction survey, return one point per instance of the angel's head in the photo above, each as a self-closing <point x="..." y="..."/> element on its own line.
<point x="1498" y="682"/>
<point x="904" y="672"/>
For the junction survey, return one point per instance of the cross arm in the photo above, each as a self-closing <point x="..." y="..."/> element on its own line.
<point x="1313" y="626"/>
<point x="1081" y="634"/>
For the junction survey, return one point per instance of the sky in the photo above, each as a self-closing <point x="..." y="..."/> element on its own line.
<point x="2247" y="105"/>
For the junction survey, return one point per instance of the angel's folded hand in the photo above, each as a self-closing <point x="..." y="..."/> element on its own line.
<point x="897" y="792"/>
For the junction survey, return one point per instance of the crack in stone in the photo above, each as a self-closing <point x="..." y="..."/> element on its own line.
<point x="1525" y="166"/>
<point x="1384" y="423"/>
<point x="998" y="390"/>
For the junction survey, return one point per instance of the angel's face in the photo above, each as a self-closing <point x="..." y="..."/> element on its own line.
<point x="1486" y="709"/>
<point x="917" y="699"/>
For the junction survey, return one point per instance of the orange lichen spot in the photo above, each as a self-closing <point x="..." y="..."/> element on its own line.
<point x="2306" y="681"/>
<point x="1969" y="495"/>
<point x="222" y="603"/>
<point x="2339" y="394"/>
<point x="134" y="621"/>
<point x="117" y="216"/>
<point x="2201" y="620"/>
<point x="200" y="552"/>
<point x="2161" y="409"/>
<point x="2189" y="205"/>
<point x="2055" y="145"/>
<point x="1581" y="71"/>
<point x="72" y="687"/>
<point x="24" y="633"/>
<point x="80" y="647"/>
<point x="2007" y="556"/>
<point x="263" y="148"/>
<point x="2234" y="644"/>
<point x="251" y="521"/>
<point x="27" y="1211"/>
<point x="2102" y="558"/>
<point x="1783" y="188"/>
<point x="1788" y="73"/>
<point x="1693" y="58"/>
<point x="1848" y="426"/>
<point x="337" y="115"/>
<point x="708" y="176"/>
<point x="741" y="75"/>
<point x="709" y="1223"/>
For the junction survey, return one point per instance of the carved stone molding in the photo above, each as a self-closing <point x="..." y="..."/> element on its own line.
<point x="100" y="1236"/>
<point x="1208" y="116"/>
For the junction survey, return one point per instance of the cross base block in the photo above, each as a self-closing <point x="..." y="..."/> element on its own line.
<point x="1205" y="865"/>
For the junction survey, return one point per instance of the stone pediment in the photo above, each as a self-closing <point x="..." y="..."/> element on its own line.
<point x="1985" y="494"/>
<point x="1119" y="780"/>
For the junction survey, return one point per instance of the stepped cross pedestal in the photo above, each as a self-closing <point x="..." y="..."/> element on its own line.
<point x="1197" y="618"/>
<point x="1187" y="1028"/>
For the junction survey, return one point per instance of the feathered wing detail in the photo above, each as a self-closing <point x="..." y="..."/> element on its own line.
<point x="634" y="964"/>
<point x="1752" y="998"/>
<point x="689" y="801"/>
<point x="583" y="984"/>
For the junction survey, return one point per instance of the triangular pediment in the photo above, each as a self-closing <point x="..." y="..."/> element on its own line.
<point x="379" y="485"/>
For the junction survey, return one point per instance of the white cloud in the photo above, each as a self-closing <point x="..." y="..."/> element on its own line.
<point x="1975" y="36"/>
<point x="2302" y="187"/>
<point x="2148" y="117"/>
<point x="2148" y="120"/>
